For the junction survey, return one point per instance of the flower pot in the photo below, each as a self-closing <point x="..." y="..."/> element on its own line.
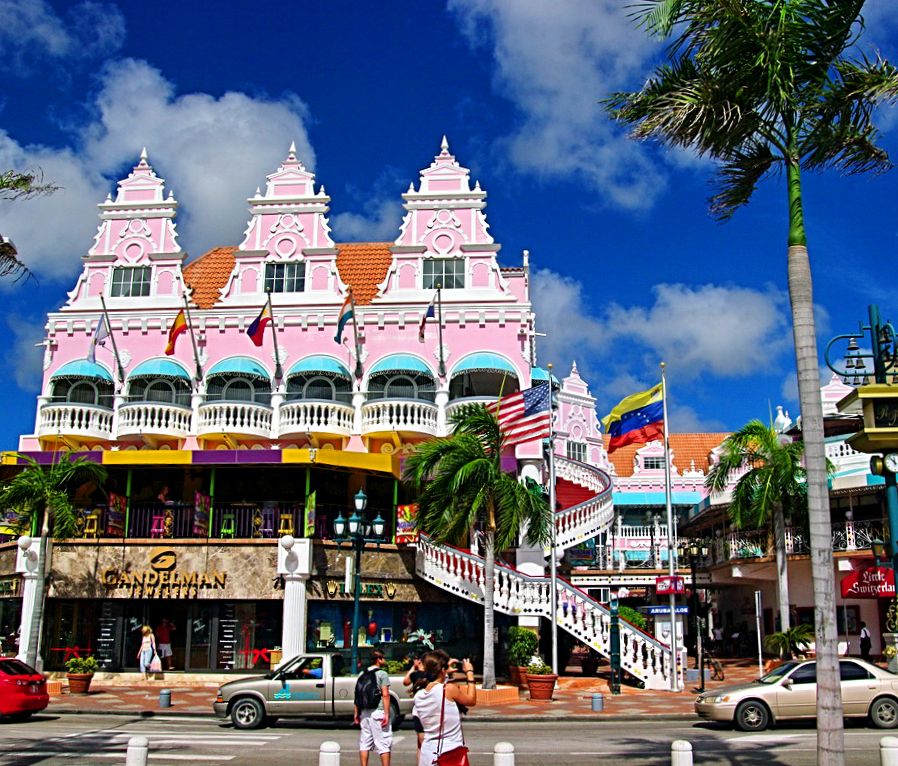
<point x="590" y="666"/>
<point x="522" y="676"/>
<point x="541" y="686"/>
<point x="514" y="675"/>
<point x="79" y="683"/>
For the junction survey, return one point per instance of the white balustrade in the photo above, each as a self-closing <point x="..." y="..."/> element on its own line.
<point x="399" y="415"/>
<point x="76" y="420"/>
<point x="245" y="418"/>
<point x="309" y="416"/>
<point x="154" y="418"/>
<point x="583" y="474"/>
<point x="585" y="520"/>
<point x="514" y="593"/>
<point x="458" y="405"/>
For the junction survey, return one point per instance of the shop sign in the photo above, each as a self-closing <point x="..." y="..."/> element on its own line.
<point x="163" y="578"/>
<point x="9" y="586"/>
<point x="335" y="589"/>
<point x="659" y="610"/>
<point x="664" y="586"/>
<point x="871" y="582"/>
<point x="405" y="523"/>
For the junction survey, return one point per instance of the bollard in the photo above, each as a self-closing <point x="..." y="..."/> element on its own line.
<point x="329" y="754"/>
<point x="137" y="752"/>
<point x="598" y="703"/>
<point x="888" y="751"/>
<point x="503" y="754"/>
<point x="165" y="698"/>
<point x="680" y="753"/>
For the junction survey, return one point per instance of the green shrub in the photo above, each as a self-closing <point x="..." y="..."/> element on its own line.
<point x="522" y="643"/>
<point x="396" y="667"/>
<point x="539" y="669"/>
<point x="82" y="665"/>
<point x="635" y="618"/>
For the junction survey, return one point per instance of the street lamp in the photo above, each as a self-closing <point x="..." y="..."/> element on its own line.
<point x="694" y="550"/>
<point x="357" y="533"/>
<point x="651" y="519"/>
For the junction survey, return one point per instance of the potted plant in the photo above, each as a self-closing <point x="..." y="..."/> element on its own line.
<point x="787" y="644"/>
<point x="80" y="671"/>
<point x="541" y="681"/>
<point x="522" y="643"/>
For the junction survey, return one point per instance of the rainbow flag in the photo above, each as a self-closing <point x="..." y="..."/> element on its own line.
<point x="347" y="312"/>
<point x="256" y="330"/>
<point x="178" y="327"/>
<point x="637" y="419"/>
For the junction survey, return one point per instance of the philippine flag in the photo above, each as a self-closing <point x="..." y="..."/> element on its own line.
<point x="427" y="315"/>
<point x="256" y="330"/>
<point x="347" y="312"/>
<point x="178" y="327"/>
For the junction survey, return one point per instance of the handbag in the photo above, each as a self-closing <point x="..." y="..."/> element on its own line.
<point x="457" y="756"/>
<point x="155" y="664"/>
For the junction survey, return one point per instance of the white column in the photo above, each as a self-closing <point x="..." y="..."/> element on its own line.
<point x="294" y="565"/>
<point x="358" y="399"/>
<point x="277" y="399"/>
<point x="196" y="399"/>
<point x="28" y="565"/>
<point x="441" y="400"/>
<point x="117" y="401"/>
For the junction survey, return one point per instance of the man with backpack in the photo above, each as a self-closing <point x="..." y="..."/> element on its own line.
<point x="372" y="711"/>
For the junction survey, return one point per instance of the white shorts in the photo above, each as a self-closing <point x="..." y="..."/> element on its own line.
<point x="374" y="736"/>
<point x="164" y="650"/>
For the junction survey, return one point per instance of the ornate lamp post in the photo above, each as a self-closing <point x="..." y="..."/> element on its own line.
<point x="357" y="532"/>
<point x="651" y="521"/>
<point x="695" y="550"/>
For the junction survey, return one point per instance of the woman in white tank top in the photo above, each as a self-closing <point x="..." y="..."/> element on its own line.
<point x="429" y="702"/>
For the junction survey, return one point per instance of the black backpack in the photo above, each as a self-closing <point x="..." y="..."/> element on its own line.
<point x="367" y="691"/>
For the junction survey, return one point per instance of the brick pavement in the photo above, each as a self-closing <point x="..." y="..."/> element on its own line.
<point x="572" y="699"/>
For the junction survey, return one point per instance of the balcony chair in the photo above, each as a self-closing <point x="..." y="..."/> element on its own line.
<point x="92" y="525"/>
<point x="157" y="528"/>
<point x="267" y="527"/>
<point x="286" y="525"/>
<point x="228" y="526"/>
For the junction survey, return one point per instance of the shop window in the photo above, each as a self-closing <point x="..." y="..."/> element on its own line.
<point x="130" y="281"/>
<point x="285" y="277"/>
<point x="449" y="273"/>
<point x="576" y="451"/>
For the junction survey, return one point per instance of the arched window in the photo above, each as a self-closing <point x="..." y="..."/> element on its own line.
<point x="228" y="388"/>
<point x="161" y="390"/>
<point x="409" y="385"/>
<point x="320" y="387"/>
<point x="97" y="392"/>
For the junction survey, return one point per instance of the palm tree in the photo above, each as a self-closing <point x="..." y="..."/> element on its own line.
<point x="460" y="484"/>
<point x="765" y="86"/>
<point x="45" y="493"/>
<point x="772" y="488"/>
<point x="16" y="185"/>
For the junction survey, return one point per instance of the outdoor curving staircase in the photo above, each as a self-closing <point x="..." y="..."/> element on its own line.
<point x="515" y="593"/>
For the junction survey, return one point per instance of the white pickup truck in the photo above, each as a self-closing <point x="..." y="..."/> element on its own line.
<point x="308" y="686"/>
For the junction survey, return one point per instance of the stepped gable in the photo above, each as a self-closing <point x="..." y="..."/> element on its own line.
<point x="208" y="274"/>
<point x="686" y="448"/>
<point x="363" y="266"/>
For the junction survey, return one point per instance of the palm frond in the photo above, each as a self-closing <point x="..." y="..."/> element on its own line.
<point x="739" y="176"/>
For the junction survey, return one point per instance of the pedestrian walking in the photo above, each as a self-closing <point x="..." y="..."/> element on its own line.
<point x="414" y="679"/>
<point x="372" y="711"/>
<point x="865" y="642"/>
<point x="163" y="636"/>
<point x="437" y="707"/>
<point x="718" y="640"/>
<point x="146" y="655"/>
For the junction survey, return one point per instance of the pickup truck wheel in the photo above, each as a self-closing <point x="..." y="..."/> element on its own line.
<point x="396" y="718"/>
<point x="247" y="713"/>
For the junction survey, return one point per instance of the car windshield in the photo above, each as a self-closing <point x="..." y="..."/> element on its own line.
<point x="10" y="667"/>
<point x="777" y="673"/>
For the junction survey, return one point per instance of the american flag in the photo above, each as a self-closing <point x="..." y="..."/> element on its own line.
<point x="525" y="416"/>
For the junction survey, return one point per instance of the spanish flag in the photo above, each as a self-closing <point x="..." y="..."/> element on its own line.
<point x="256" y="330"/>
<point x="178" y="326"/>
<point x="637" y="419"/>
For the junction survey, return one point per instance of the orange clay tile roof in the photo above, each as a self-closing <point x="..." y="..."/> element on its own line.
<point x="363" y="266"/>
<point x="685" y="447"/>
<point x="208" y="274"/>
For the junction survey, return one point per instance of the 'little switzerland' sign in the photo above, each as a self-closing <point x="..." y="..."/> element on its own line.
<point x="872" y="582"/>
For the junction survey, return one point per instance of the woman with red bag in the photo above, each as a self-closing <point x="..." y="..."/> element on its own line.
<point x="437" y="708"/>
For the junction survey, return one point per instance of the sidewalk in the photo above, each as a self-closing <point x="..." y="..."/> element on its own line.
<point x="573" y="700"/>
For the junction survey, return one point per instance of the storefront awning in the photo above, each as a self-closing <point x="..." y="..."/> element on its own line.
<point x="159" y="368"/>
<point x="81" y="368"/>
<point x="484" y="362"/>
<point x="239" y="365"/>
<point x="400" y="363"/>
<point x="319" y="365"/>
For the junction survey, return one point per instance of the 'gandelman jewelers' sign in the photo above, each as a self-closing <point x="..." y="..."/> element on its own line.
<point x="163" y="579"/>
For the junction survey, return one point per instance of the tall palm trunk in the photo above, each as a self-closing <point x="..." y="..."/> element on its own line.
<point x="489" y="575"/>
<point x="830" y="721"/>
<point x="782" y="572"/>
<point x="37" y="616"/>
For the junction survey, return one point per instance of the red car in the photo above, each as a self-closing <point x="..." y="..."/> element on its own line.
<point x="23" y="690"/>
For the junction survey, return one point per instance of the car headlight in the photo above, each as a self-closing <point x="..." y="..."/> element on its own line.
<point x="720" y="698"/>
<point x="219" y="697"/>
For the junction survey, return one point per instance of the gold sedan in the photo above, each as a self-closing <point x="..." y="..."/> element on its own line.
<point x="790" y="692"/>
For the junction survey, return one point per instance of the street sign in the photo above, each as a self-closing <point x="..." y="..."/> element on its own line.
<point x="656" y="609"/>
<point x="871" y="582"/>
<point x="664" y="586"/>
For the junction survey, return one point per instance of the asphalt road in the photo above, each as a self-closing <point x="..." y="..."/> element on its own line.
<point x="57" y="740"/>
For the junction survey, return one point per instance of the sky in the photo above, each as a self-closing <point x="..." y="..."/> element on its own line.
<point x="629" y="268"/>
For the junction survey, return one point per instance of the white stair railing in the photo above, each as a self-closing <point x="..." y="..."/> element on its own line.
<point x="515" y="593"/>
<point x="585" y="520"/>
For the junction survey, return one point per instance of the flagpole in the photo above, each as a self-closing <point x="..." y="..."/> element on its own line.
<point x="278" y="370"/>
<point x="442" y="368"/>
<point x="196" y="355"/>
<point x="553" y="564"/>
<point x="671" y="546"/>
<point x="118" y="361"/>
<point x="355" y="333"/>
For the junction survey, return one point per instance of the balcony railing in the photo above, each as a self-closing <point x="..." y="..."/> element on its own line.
<point x="399" y="415"/>
<point x="85" y="420"/>
<point x="155" y="419"/>
<point x="457" y="405"/>
<point x="244" y="418"/>
<point x="302" y="417"/>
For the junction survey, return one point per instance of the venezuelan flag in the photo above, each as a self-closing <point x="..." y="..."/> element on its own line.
<point x="256" y="330"/>
<point x="637" y="419"/>
<point x="178" y="327"/>
<point x="347" y="312"/>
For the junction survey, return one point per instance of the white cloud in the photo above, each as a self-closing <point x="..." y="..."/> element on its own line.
<point x="685" y="420"/>
<point x="555" y="66"/>
<point x="381" y="207"/>
<point x="213" y="152"/>
<point x="23" y="358"/>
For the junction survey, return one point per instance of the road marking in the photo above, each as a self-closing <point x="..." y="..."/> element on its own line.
<point x="118" y="756"/>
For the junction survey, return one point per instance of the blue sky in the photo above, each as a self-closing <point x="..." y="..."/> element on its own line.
<point x="629" y="267"/>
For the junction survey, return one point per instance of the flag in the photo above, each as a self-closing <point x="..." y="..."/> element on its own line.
<point x="427" y="315"/>
<point x="256" y="330"/>
<point x="99" y="339"/>
<point x="178" y="326"/>
<point x="526" y="415"/>
<point x="347" y="312"/>
<point x="637" y="419"/>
